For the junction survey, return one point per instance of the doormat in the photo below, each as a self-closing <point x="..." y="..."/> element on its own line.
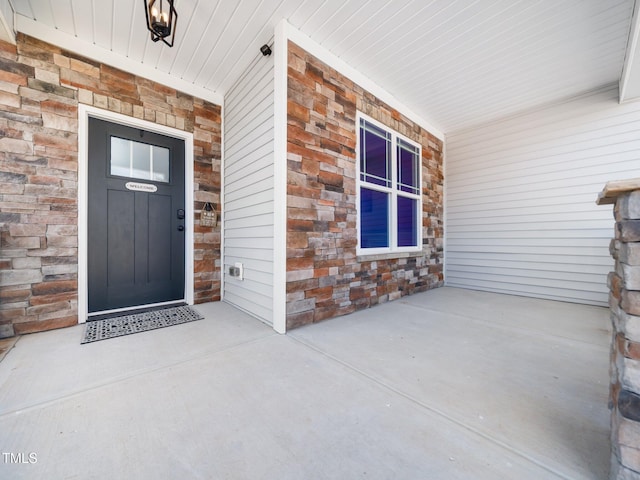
<point x="138" y="322"/>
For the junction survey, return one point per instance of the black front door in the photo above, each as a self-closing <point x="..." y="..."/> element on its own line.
<point x="136" y="217"/>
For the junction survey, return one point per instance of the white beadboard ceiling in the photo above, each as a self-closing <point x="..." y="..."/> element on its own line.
<point x="454" y="62"/>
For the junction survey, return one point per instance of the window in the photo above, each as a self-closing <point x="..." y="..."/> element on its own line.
<point x="139" y="160"/>
<point x="389" y="191"/>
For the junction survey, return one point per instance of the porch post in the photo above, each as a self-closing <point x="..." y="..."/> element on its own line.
<point x="624" y="304"/>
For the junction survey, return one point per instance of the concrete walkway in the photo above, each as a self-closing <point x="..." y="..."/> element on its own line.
<point x="448" y="384"/>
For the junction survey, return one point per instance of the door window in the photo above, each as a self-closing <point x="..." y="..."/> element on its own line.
<point x="139" y="160"/>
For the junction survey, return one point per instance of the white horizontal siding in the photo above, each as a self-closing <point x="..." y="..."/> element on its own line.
<point x="248" y="190"/>
<point x="520" y="198"/>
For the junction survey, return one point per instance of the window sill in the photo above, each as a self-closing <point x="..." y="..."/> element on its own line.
<point x="373" y="257"/>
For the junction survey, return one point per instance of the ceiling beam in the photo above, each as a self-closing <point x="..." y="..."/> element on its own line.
<point x="630" y="78"/>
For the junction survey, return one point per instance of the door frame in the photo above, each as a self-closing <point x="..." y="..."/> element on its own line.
<point x="84" y="112"/>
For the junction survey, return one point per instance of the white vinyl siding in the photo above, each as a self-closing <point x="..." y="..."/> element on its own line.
<point x="248" y="190"/>
<point x="520" y="199"/>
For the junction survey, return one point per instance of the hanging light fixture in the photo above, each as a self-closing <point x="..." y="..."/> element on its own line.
<point x="161" y="20"/>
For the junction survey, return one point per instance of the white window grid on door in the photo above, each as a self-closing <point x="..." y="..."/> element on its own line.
<point x="129" y="169"/>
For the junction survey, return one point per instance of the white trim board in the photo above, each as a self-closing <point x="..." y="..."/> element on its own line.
<point x="280" y="67"/>
<point x="221" y="205"/>
<point x="84" y="112"/>
<point x="630" y="78"/>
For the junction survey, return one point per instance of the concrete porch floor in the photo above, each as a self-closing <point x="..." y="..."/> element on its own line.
<point x="447" y="384"/>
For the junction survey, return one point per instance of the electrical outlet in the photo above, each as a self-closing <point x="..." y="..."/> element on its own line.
<point x="237" y="271"/>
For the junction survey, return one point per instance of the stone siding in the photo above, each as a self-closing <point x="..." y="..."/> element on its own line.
<point x="40" y="88"/>
<point x="624" y="299"/>
<point x="325" y="277"/>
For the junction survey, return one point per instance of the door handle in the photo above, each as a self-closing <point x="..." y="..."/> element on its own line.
<point x="181" y="228"/>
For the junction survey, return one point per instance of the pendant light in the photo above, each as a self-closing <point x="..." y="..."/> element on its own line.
<point x="161" y="20"/>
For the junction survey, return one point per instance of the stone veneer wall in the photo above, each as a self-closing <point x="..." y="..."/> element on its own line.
<point x="40" y="89"/>
<point x="624" y="300"/>
<point x="325" y="278"/>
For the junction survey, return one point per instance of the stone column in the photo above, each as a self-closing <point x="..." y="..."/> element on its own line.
<point x="624" y="303"/>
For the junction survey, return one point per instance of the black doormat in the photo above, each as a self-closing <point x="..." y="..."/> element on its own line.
<point x="138" y="322"/>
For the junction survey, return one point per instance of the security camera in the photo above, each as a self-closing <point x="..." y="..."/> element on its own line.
<point x="266" y="50"/>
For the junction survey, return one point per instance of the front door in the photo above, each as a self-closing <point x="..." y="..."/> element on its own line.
<point x="136" y="217"/>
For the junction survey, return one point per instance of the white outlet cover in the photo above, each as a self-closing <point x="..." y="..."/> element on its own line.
<point x="240" y="268"/>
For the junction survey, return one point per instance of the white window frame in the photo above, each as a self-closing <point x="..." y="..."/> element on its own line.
<point x="393" y="191"/>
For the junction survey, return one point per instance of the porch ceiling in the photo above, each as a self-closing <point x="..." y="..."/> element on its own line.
<point x="454" y="62"/>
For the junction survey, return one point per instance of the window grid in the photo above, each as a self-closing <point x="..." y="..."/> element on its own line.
<point x="154" y="169"/>
<point x="414" y="151"/>
<point x="402" y="188"/>
<point x="364" y="167"/>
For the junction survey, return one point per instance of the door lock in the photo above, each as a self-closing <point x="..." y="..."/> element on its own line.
<point x="180" y="214"/>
